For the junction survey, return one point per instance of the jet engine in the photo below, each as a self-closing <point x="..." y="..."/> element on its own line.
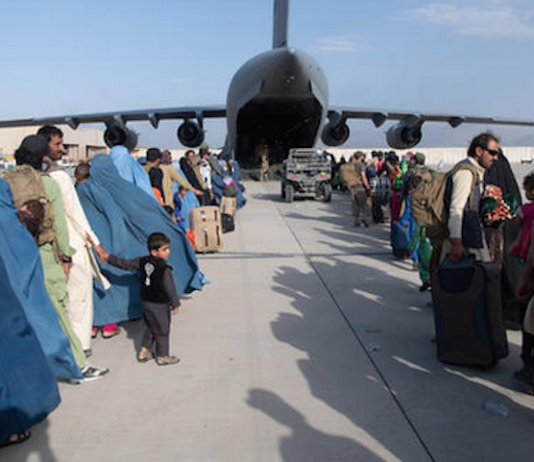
<point x="190" y="134"/>
<point x="404" y="135"/>
<point x="117" y="136"/>
<point x="335" y="135"/>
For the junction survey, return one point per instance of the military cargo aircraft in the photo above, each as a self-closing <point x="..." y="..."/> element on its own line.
<point x="279" y="99"/>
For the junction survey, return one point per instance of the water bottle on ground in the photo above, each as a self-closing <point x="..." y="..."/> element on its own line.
<point x="495" y="408"/>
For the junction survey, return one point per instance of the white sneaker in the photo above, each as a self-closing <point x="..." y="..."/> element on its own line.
<point x="90" y="373"/>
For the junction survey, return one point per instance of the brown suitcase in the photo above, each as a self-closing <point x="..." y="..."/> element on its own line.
<point x="206" y="223"/>
<point x="228" y="205"/>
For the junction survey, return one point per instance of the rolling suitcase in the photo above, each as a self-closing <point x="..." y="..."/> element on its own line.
<point x="468" y="313"/>
<point x="228" y="224"/>
<point x="228" y="206"/>
<point x="206" y="223"/>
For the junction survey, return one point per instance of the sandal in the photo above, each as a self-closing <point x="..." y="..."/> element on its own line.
<point x="17" y="438"/>
<point x="113" y="333"/>
<point x="167" y="360"/>
<point x="144" y="356"/>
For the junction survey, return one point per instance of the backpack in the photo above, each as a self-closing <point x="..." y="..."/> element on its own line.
<point x="230" y="187"/>
<point x="427" y="189"/>
<point x="348" y="176"/>
<point x="27" y="185"/>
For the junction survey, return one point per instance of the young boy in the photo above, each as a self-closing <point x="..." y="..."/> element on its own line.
<point x="158" y="295"/>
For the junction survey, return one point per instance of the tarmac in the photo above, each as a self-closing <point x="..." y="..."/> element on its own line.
<point x="312" y="343"/>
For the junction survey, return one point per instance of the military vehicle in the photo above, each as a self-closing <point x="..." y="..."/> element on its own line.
<point x="307" y="173"/>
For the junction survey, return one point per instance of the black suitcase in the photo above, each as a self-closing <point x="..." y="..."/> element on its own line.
<point x="468" y="313"/>
<point x="228" y="223"/>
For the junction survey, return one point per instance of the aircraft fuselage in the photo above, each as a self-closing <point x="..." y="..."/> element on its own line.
<point x="278" y="98"/>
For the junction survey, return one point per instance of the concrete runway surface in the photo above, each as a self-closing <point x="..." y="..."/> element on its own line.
<point x="311" y="344"/>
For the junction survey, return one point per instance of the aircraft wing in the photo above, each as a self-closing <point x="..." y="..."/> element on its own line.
<point x="378" y="117"/>
<point x="121" y="117"/>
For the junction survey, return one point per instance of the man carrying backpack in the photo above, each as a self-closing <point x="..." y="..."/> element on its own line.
<point x="466" y="288"/>
<point x="463" y="197"/>
<point x="361" y="192"/>
<point x="82" y="266"/>
<point x="353" y="177"/>
<point x="40" y="196"/>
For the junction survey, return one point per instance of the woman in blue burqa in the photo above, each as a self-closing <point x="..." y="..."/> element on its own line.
<point x="130" y="169"/>
<point x="25" y="279"/>
<point x="123" y="216"/>
<point x="33" y="347"/>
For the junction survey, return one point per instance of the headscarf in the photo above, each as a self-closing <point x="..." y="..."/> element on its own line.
<point x="501" y="175"/>
<point x="130" y="169"/>
<point x="189" y="173"/>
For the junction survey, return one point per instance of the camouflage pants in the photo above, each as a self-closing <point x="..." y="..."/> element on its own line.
<point x="361" y="204"/>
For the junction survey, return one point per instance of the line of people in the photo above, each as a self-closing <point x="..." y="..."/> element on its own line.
<point x="376" y="186"/>
<point x="472" y="210"/>
<point x="56" y="292"/>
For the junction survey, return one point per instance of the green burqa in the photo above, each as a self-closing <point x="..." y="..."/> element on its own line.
<point x="55" y="278"/>
<point x="424" y="252"/>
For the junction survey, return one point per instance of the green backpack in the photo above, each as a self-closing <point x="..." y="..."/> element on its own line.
<point x="26" y="185"/>
<point x="427" y="189"/>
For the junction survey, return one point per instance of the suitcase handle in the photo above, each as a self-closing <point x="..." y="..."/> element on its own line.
<point x="468" y="261"/>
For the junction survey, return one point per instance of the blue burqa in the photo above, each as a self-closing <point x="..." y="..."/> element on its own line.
<point x="123" y="216"/>
<point x="183" y="206"/>
<point x="407" y="219"/>
<point x="217" y="182"/>
<point x="25" y="280"/>
<point x="186" y="204"/>
<point x="130" y="169"/>
<point x="28" y="388"/>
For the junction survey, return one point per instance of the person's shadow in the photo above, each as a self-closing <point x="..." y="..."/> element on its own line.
<point x="36" y="448"/>
<point x="306" y="443"/>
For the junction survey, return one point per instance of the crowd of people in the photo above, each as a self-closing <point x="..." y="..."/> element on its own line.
<point x="377" y="187"/>
<point x="80" y="255"/>
<point x="477" y="212"/>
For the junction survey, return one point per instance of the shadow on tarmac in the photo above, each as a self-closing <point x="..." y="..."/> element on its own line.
<point x="437" y="399"/>
<point x="304" y="439"/>
<point x="134" y="332"/>
<point x="37" y="447"/>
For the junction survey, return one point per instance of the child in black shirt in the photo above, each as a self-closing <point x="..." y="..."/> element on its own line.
<point x="158" y="295"/>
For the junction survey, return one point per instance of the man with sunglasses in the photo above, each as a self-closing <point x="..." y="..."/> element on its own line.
<point x="463" y="196"/>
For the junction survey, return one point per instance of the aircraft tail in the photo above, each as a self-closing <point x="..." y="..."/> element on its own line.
<point x="280" y="23"/>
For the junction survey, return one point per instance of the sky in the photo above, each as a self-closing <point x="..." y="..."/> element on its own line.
<point x="470" y="57"/>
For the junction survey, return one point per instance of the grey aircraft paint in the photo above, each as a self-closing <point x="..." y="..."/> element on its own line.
<point x="278" y="98"/>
